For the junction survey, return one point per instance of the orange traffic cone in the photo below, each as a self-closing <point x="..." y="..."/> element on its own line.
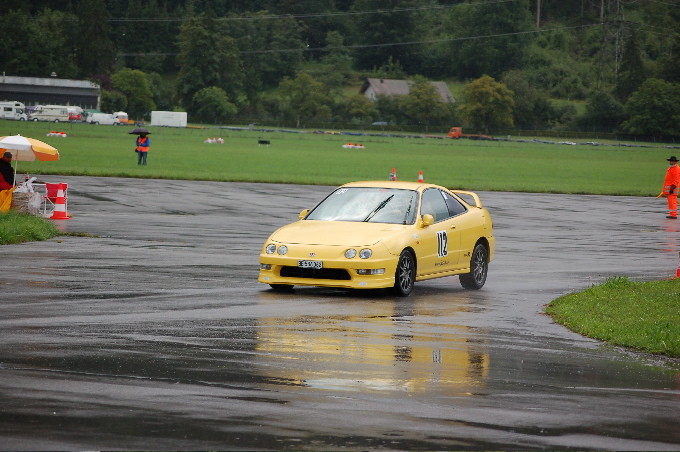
<point x="677" y="272"/>
<point x="393" y="174"/>
<point x="60" y="205"/>
<point x="420" y="177"/>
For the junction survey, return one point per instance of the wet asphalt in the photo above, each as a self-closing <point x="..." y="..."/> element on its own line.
<point x="153" y="334"/>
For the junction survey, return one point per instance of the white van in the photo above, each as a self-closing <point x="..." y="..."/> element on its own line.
<point x="13" y="110"/>
<point x="56" y="113"/>
<point x="103" y="118"/>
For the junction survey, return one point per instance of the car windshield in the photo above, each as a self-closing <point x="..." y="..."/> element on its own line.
<point x="368" y="204"/>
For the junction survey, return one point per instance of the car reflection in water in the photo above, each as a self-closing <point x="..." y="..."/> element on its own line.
<point x="389" y="346"/>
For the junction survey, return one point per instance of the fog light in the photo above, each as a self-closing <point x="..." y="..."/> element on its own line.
<point x="371" y="271"/>
<point x="265" y="266"/>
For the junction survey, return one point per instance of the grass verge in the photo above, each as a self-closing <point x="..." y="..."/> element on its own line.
<point x="640" y="315"/>
<point x="23" y="227"/>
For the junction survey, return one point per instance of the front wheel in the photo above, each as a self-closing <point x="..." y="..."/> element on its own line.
<point x="479" y="267"/>
<point x="405" y="276"/>
<point x="35" y="119"/>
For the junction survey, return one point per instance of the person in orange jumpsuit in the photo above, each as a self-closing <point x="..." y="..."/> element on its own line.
<point x="670" y="187"/>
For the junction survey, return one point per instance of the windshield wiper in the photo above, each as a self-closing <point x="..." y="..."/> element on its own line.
<point x="377" y="209"/>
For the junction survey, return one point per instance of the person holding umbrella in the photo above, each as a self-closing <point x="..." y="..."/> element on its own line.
<point x="142" y="144"/>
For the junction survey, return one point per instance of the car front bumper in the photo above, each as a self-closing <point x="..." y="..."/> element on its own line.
<point x="335" y="272"/>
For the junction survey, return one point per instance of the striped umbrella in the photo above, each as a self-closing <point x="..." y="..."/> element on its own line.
<point x="27" y="149"/>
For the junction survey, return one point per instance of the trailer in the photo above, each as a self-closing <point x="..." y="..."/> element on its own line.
<point x="122" y="117"/>
<point x="169" y="118"/>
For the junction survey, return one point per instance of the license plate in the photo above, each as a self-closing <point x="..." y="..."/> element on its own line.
<point x="310" y="264"/>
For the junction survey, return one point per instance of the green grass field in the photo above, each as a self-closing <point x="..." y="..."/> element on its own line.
<point x="308" y="158"/>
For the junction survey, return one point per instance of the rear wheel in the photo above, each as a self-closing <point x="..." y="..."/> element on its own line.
<point x="479" y="267"/>
<point x="405" y="276"/>
<point x="56" y="120"/>
<point x="281" y="287"/>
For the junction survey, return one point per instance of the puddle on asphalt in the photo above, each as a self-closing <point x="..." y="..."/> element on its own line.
<point x="670" y="243"/>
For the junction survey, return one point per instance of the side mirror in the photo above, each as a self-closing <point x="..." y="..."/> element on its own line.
<point x="303" y="214"/>
<point x="428" y="220"/>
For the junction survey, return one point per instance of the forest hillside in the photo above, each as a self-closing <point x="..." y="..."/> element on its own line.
<point x="587" y="65"/>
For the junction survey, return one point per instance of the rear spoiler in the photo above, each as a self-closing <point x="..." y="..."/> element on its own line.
<point x="474" y="196"/>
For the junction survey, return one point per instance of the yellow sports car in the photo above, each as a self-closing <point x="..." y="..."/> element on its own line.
<point x="378" y="234"/>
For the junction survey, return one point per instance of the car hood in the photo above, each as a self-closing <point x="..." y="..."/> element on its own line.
<point x="340" y="233"/>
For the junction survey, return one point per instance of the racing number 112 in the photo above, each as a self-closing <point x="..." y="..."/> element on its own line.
<point x="442" y="244"/>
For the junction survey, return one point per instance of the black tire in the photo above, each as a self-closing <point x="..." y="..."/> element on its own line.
<point x="56" y="120"/>
<point x="281" y="287"/>
<point x="479" y="267"/>
<point x="405" y="276"/>
<point x="35" y="119"/>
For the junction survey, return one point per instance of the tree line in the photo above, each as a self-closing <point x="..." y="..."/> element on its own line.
<point x="293" y="61"/>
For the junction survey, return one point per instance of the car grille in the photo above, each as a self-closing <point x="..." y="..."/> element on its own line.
<point x="312" y="273"/>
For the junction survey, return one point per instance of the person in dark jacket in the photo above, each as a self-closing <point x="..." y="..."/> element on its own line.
<point x="6" y="169"/>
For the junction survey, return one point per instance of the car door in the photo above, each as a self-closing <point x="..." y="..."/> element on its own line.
<point x="466" y="225"/>
<point x="440" y="250"/>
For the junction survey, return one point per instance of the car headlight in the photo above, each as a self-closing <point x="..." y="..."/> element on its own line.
<point x="365" y="253"/>
<point x="271" y="248"/>
<point x="283" y="249"/>
<point x="350" y="253"/>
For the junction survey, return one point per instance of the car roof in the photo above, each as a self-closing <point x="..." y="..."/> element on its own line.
<point x="390" y="184"/>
